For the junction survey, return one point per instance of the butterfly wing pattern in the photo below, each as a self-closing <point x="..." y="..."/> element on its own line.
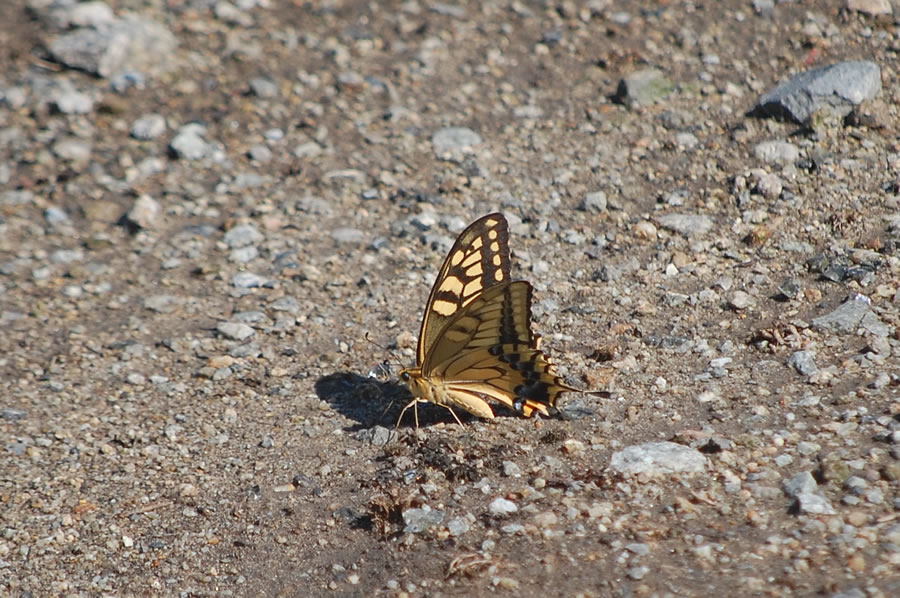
<point x="476" y="344"/>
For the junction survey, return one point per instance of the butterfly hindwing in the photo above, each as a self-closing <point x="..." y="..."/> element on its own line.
<point x="489" y="350"/>
<point x="478" y="260"/>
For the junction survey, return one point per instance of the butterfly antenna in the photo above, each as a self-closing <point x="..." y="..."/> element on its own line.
<point x="386" y="362"/>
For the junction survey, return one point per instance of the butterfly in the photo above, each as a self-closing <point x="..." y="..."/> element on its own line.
<point x="476" y="345"/>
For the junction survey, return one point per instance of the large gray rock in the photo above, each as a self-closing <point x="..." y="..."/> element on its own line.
<point x="838" y="86"/>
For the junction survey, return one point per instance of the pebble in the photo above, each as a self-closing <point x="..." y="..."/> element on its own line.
<point x="741" y="300"/>
<point x="656" y="459"/>
<point x="164" y="304"/>
<point x="452" y="140"/>
<point x="260" y="153"/>
<point x="127" y="43"/>
<point x="144" y="212"/>
<point x="776" y="152"/>
<point x="72" y="149"/>
<point x="243" y="235"/>
<point x="235" y="331"/>
<point x="247" y="280"/>
<point x="801" y="483"/>
<point x="67" y="256"/>
<point x="243" y="255"/>
<point x="770" y="186"/>
<point x="287" y="304"/>
<point x="421" y="520"/>
<point x="813" y="504"/>
<point x="594" y="202"/>
<point x="644" y="87"/>
<point x="458" y="526"/>
<point x="148" y="126"/>
<point x="873" y="8"/>
<point x="263" y="88"/>
<point x="638" y="572"/>
<point x="689" y="225"/>
<point x="501" y="507"/>
<point x="804" y="362"/>
<point x="188" y="143"/>
<point x="511" y="470"/>
<point x="70" y="101"/>
<point x="56" y="216"/>
<point x="348" y="235"/>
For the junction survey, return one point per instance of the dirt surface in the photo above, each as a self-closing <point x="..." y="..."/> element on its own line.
<point x="171" y="427"/>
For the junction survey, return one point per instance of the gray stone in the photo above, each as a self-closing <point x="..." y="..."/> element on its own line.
<point x="82" y="14"/>
<point x="594" y="202"/>
<point x="348" y="235"/>
<point x="260" y="153"/>
<point x="148" y="126"/>
<point x="287" y="303"/>
<point x="247" y="280"/>
<point x="644" y="87"/>
<point x="849" y="316"/>
<point x="144" y="212"/>
<point x="689" y="225"/>
<point x="511" y="470"/>
<point x="777" y="152"/>
<point x="812" y="504"/>
<point x="309" y="149"/>
<point x="458" y="526"/>
<point x="56" y="216"/>
<point x="188" y="144"/>
<point x="73" y="149"/>
<point x="68" y="100"/>
<point x="801" y="483"/>
<point x="453" y="140"/>
<point x="764" y="8"/>
<point x="657" y="458"/>
<point x="243" y="255"/>
<point x="263" y="88"/>
<point x="501" y="507"/>
<point x="804" y="362"/>
<point x="421" y="520"/>
<point x="67" y="256"/>
<point x="872" y="8"/>
<point x="235" y="330"/>
<point x="128" y="43"/>
<point x="839" y="87"/>
<point x="243" y="235"/>
<point x="164" y="304"/>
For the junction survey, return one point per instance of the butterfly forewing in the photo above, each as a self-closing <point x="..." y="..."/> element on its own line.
<point x="478" y="260"/>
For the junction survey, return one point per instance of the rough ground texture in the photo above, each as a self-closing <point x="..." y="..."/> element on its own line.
<point x="183" y="309"/>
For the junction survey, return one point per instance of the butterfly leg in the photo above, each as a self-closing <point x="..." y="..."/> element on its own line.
<point x="453" y="413"/>
<point x="415" y="411"/>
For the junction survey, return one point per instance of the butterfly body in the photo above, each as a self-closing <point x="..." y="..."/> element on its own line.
<point x="476" y="345"/>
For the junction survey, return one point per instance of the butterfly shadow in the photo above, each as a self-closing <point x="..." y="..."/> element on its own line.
<point x="370" y="402"/>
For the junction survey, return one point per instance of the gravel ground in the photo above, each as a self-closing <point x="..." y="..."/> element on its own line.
<point x="207" y="207"/>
